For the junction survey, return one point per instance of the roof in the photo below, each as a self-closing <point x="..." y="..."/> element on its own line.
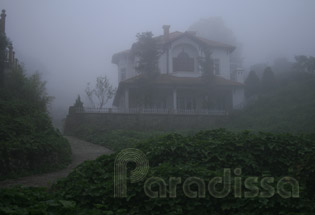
<point x="177" y="35"/>
<point x="211" y="43"/>
<point x="115" y="57"/>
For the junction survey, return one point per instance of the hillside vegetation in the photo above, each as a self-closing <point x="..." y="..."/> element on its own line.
<point x="203" y="155"/>
<point x="90" y="187"/>
<point x="28" y="141"/>
<point x="288" y="108"/>
<point x="117" y="140"/>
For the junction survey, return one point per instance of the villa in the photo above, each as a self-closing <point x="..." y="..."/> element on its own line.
<point x="180" y="86"/>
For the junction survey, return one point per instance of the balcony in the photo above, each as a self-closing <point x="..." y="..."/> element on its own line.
<point x="115" y="110"/>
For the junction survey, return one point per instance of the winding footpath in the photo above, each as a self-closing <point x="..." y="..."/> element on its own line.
<point x="81" y="151"/>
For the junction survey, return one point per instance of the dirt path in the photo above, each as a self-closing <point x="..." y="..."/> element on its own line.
<point x="81" y="151"/>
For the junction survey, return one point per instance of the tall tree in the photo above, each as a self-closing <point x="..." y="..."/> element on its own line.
<point x="206" y="63"/>
<point x="147" y="54"/>
<point x="3" y="48"/>
<point x="252" y="84"/>
<point x="305" y="64"/>
<point x="38" y="93"/>
<point x="102" y="92"/>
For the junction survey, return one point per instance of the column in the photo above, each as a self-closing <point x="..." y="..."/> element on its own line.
<point x="175" y="100"/>
<point x="127" y="100"/>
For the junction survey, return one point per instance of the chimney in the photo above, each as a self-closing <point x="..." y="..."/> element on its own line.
<point x="166" y="29"/>
<point x="2" y="22"/>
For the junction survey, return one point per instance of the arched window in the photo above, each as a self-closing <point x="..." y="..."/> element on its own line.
<point x="183" y="62"/>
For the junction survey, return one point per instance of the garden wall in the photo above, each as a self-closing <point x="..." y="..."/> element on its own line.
<point x="76" y="122"/>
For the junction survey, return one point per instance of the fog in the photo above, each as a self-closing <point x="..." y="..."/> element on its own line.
<point x="71" y="42"/>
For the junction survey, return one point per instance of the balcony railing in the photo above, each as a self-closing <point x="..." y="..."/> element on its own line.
<point x="151" y="111"/>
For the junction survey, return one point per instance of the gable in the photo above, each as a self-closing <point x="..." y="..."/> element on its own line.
<point x="199" y="41"/>
<point x="176" y="36"/>
<point x="184" y="55"/>
<point x="187" y="43"/>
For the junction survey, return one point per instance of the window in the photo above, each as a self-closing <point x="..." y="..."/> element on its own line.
<point x="183" y="63"/>
<point x="216" y="64"/>
<point x="123" y="74"/>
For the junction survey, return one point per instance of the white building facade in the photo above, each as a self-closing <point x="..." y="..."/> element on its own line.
<point x="181" y="73"/>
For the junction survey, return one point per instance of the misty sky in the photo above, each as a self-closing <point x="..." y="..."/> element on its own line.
<point x="71" y="41"/>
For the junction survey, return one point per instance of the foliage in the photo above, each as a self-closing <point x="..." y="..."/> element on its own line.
<point x="21" y="201"/>
<point x="117" y="139"/>
<point x="89" y="188"/>
<point x="252" y="84"/>
<point x="3" y="46"/>
<point x="101" y="93"/>
<point x="28" y="141"/>
<point x="289" y="108"/>
<point x="203" y="155"/>
<point x="147" y="54"/>
<point x="32" y="153"/>
<point x="120" y="139"/>
<point x="305" y="64"/>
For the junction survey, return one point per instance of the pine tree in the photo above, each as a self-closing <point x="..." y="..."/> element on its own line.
<point x="146" y="51"/>
<point x="3" y="46"/>
<point x="78" y="103"/>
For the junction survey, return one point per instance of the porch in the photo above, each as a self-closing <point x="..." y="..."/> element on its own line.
<point x="182" y="100"/>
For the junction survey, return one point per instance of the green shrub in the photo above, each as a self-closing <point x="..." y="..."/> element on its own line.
<point x="21" y="201"/>
<point x="28" y="141"/>
<point x="203" y="155"/>
<point x="118" y="139"/>
<point x="24" y="155"/>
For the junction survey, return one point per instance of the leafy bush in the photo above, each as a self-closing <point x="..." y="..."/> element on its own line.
<point x="21" y="201"/>
<point x="203" y="155"/>
<point x="28" y="141"/>
<point x="42" y="152"/>
<point x="119" y="139"/>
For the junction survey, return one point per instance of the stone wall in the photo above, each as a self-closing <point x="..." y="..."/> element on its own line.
<point x="78" y="122"/>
